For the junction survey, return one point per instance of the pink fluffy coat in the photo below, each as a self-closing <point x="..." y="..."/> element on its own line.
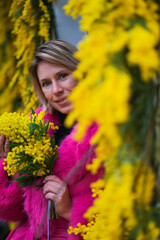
<point x="28" y="206"/>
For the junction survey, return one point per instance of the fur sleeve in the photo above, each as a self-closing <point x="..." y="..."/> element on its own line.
<point x="11" y="198"/>
<point x="84" y="153"/>
<point x="80" y="184"/>
<point x="82" y="199"/>
<point x="80" y="205"/>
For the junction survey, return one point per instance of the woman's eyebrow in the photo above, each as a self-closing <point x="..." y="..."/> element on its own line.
<point x="43" y="79"/>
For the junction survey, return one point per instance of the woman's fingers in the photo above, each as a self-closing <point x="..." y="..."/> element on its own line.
<point x="51" y="187"/>
<point x="55" y="186"/>
<point x="50" y="196"/>
<point x="52" y="178"/>
<point x="2" y="142"/>
<point x="4" y="148"/>
<point x="56" y="190"/>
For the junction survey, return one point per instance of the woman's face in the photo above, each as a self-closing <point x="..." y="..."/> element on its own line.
<point x="57" y="83"/>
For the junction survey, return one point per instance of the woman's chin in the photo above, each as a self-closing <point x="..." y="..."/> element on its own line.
<point x="65" y="110"/>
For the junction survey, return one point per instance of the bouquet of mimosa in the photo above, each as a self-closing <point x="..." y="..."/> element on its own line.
<point x="32" y="150"/>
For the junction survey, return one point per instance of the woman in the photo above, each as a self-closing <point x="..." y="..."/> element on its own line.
<point x="51" y="72"/>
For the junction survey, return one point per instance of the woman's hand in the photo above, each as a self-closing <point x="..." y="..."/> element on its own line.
<point x="4" y="149"/>
<point x="56" y="190"/>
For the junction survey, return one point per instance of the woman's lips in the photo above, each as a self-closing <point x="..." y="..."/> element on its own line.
<point x="62" y="101"/>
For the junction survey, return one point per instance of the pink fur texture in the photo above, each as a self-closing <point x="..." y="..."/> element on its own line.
<point x="28" y="205"/>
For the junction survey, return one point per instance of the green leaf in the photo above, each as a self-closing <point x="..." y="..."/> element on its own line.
<point x="33" y="112"/>
<point x="25" y="180"/>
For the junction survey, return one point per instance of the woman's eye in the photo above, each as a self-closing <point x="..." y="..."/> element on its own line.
<point x="63" y="75"/>
<point x="45" y="84"/>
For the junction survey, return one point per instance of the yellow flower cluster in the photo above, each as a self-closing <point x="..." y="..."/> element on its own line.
<point x="102" y="69"/>
<point x="97" y="187"/>
<point x="44" y="24"/>
<point x="122" y="37"/>
<point x="7" y="60"/>
<point x="103" y="105"/>
<point x="31" y="146"/>
<point x="112" y="216"/>
<point x="114" y="22"/>
<point x="153" y="233"/>
<point x="143" y="53"/>
<point x="13" y="123"/>
<point x="24" y="24"/>
<point x="24" y="31"/>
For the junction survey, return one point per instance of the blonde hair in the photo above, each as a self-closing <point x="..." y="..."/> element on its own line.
<point x="56" y="52"/>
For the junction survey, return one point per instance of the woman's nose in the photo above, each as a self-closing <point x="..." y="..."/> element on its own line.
<point x="56" y="88"/>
